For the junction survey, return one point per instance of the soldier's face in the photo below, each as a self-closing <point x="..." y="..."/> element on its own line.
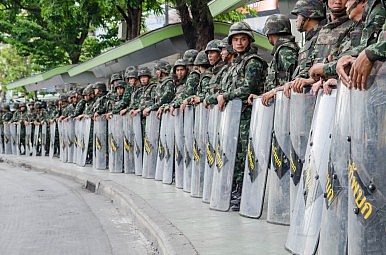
<point x="158" y="73"/>
<point x="240" y="42"/>
<point x="356" y="13"/>
<point x="213" y="57"/>
<point x="120" y="91"/>
<point x="180" y="72"/>
<point x="132" y="81"/>
<point x="144" y="80"/>
<point x="337" y="5"/>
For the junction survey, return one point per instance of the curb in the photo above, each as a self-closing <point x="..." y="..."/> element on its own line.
<point x="165" y="237"/>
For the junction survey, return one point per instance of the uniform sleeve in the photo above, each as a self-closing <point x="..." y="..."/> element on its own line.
<point x="191" y="83"/>
<point x="166" y="97"/>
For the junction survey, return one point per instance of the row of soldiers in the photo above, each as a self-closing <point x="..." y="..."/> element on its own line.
<point x="231" y="68"/>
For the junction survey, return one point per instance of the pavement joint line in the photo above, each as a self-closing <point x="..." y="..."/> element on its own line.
<point x="166" y="237"/>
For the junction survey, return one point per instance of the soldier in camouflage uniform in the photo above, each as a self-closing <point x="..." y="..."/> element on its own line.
<point x="143" y="93"/>
<point x="80" y="104"/>
<point x="189" y="57"/>
<point x="202" y="62"/>
<point x="245" y="76"/>
<point x="219" y="68"/>
<point x="181" y="87"/>
<point x="163" y="92"/>
<point x="115" y="107"/>
<point x="7" y="114"/>
<point x="329" y="39"/>
<point x="285" y="55"/>
<point x="369" y="17"/>
<point x="131" y="76"/>
<point x="69" y="108"/>
<point x="19" y="118"/>
<point x="40" y="118"/>
<point x="115" y="77"/>
<point x="102" y="101"/>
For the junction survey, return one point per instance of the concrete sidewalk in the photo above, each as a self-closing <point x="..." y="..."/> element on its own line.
<point x="174" y="221"/>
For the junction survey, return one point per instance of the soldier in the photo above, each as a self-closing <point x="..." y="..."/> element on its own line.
<point x="102" y="101"/>
<point x="181" y="87"/>
<point x="189" y="57"/>
<point x="7" y="114"/>
<point x="79" y="104"/>
<point x="69" y="108"/>
<point x="142" y="94"/>
<point x="285" y="54"/>
<point x="164" y="91"/>
<point x="366" y="32"/>
<point x="39" y="119"/>
<point x="246" y="76"/>
<point x="115" y="107"/>
<point x="115" y="77"/>
<point x="19" y="119"/>
<point x="131" y="76"/>
<point x="202" y="62"/>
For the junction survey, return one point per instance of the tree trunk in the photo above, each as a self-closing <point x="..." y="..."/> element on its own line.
<point x="203" y="23"/>
<point x="189" y="30"/>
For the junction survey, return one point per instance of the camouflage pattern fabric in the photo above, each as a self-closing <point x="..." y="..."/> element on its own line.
<point x="215" y="82"/>
<point x="377" y="51"/>
<point x="148" y="96"/>
<point x="101" y="105"/>
<point x="79" y="108"/>
<point x="125" y="100"/>
<point x="164" y="91"/>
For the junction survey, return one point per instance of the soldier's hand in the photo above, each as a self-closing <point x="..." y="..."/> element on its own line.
<point x="316" y="86"/>
<point x="146" y="112"/>
<point x="250" y="99"/>
<point x="206" y="105"/>
<point x="109" y="115"/>
<point x="266" y="97"/>
<point x="123" y="112"/>
<point x="300" y="83"/>
<point x="221" y="102"/>
<point x="327" y="86"/>
<point x="343" y="69"/>
<point x="96" y="116"/>
<point x="360" y="70"/>
<point x="287" y="89"/>
<point x="183" y="105"/>
<point x="159" y="112"/>
<point x="195" y="100"/>
<point x="316" y="71"/>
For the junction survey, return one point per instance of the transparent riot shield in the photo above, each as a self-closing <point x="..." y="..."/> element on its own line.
<point x="188" y="147"/>
<point x="179" y="149"/>
<point x="100" y="129"/>
<point x="28" y="141"/>
<point x="36" y="141"/>
<point x="20" y="130"/>
<point x="257" y="159"/>
<point x="214" y="116"/>
<point x="116" y="144"/>
<point x="52" y="139"/>
<point x="366" y="168"/>
<point x="44" y="138"/>
<point x="150" y="145"/>
<point x="226" y="147"/>
<point x="84" y="139"/>
<point x="333" y="232"/>
<point x="159" y="169"/>
<point x="138" y="145"/>
<point x="167" y="177"/>
<point x="1" y="138"/>
<point x="279" y="175"/>
<point x="7" y="139"/>
<point x="70" y="128"/>
<point x="63" y="141"/>
<point x="77" y="138"/>
<point x="12" y="130"/>
<point x="301" y="111"/>
<point x="314" y="173"/>
<point x="128" y="145"/>
<point x="199" y="153"/>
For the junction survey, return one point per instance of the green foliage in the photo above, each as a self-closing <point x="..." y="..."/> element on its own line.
<point x="235" y="15"/>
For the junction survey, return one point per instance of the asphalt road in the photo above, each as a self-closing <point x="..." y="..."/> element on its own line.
<point x="45" y="214"/>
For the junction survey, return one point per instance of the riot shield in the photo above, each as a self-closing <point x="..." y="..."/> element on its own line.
<point x="7" y="139"/>
<point x="28" y="141"/>
<point x="52" y="139"/>
<point x="314" y="182"/>
<point x="128" y="145"/>
<point x="77" y="137"/>
<point x="188" y="147"/>
<point x="301" y="111"/>
<point x="12" y="130"/>
<point x="70" y="128"/>
<point x="138" y="146"/>
<point x="36" y="141"/>
<point x="63" y="141"/>
<point x="20" y="130"/>
<point x="150" y="145"/>
<point x="44" y="138"/>
<point x="279" y="175"/>
<point x="115" y="144"/>
<point x="159" y="169"/>
<point x="83" y="140"/>
<point x="1" y="138"/>
<point x="167" y="177"/>
<point x="100" y="129"/>
<point x="333" y="232"/>
<point x="257" y="159"/>
<point x="226" y="147"/>
<point x="214" y="116"/>
<point x="199" y="153"/>
<point x="366" y="168"/>
<point x="178" y="149"/>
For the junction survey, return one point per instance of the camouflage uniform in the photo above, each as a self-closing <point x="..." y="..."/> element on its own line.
<point x="102" y="101"/>
<point x="79" y="108"/>
<point x="115" y="106"/>
<point x="203" y="85"/>
<point x="138" y="92"/>
<point x="130" y="72"/>
<point x="164" y="91"/>
<point x="182" y="88"/>
<point x="377" y="51"/>
<point x="285" y="52"/>
<point x="245" y="76"/>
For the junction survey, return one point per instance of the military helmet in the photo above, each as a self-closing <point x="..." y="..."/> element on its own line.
<point x="201" y="59"/>
<point x="179" y="62"/>
<point x="16" y="105"/>
<point x="213" y="45"/>
<point x="240" y="28"/>
<point x="277" y="24"/>
<point x="71" y="93"/>
<point x="313" y="9"/>
<point x="131" y="72"/>
<point x="79" y="91"/>
<point x="38" y="105"/>
<point x="88" y="90"/>
<point x="31" y="103"/>
<point x="163" y="66"/>
<point x="120" y="84"/>
<point x="115" y="77"/>
<point x="62" y="98"/>
<point x="224" y="42"/>
<point x="100" y="86"/>
<point x="52" y="103"/>
<point x="144" y="71"/>
<point x="23" y="105"/>
<point x="6" y="107"/>
<point x="190" y="56"/>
